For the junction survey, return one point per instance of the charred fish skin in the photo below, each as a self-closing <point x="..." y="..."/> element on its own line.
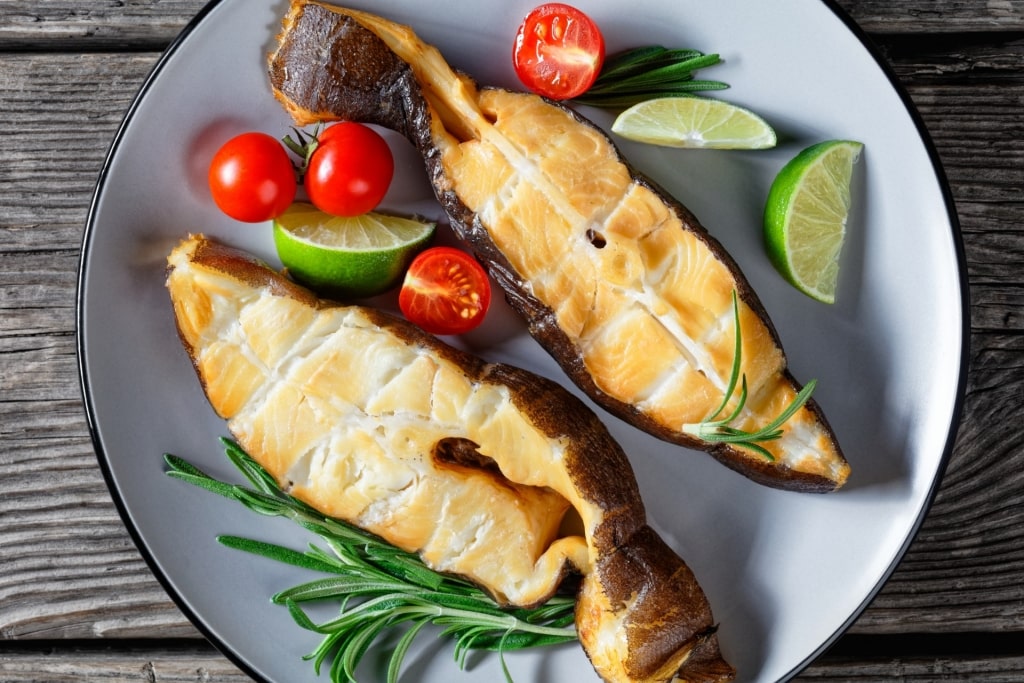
<point x="577" y="303"/>
<point x="490" y="447"/>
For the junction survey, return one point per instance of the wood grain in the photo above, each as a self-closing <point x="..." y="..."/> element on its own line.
<point x="68" y="25"/>
<point x="151" y="24"/>
<point x="68" y="569"/>
<point x="181" y="664"/>
<point x="941" y="16"/>
<point x="198" y="664"/>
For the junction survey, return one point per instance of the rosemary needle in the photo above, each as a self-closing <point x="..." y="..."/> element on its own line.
<point x="717" y="429"/>
<point x="649" y="72"/>
<point x="377" y="586"/>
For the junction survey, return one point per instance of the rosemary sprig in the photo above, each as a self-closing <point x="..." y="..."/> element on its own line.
<point x="647" y="72"/>
<point x="717" y="429"/>
<point x="378" y="587"/>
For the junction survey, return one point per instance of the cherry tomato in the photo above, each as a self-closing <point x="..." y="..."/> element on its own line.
<point x="558" y="52"/>
<point x="251" y="178"/>
<point x="350" y="170"/>
<point x="445" y="291"/>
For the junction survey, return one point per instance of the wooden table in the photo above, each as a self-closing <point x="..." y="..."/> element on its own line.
<point x="77" y="602"/>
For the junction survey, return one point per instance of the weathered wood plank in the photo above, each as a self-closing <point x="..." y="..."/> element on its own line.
<point x="952" y="59"/>
<point x="185" y="664"/>
<point x="978" y="133"/>
<point x="199" y="663"/>
<point x="941" y="16"/>
<point x="151" y="24"/>
<point x="70" y="25"/>
<point x="60" y="115"/>
<point x="1004" y="669"/>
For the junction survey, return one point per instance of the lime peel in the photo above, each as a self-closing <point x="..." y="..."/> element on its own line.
<point x="348" y="256"/>
<point x="806" y="214"/>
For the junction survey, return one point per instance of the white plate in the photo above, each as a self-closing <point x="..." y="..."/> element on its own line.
<point x="785" y="572"/>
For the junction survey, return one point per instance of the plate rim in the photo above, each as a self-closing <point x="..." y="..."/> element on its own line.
<point x="227" y="649"/>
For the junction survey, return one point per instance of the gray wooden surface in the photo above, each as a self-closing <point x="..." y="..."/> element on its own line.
<point x="77" y="603"/>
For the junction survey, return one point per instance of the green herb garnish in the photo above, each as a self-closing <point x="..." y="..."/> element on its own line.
<point x="716" y="429"/>
<point x="645" y="73"/>
<point x="303" y="145"/>
<point x="378" y="587"/>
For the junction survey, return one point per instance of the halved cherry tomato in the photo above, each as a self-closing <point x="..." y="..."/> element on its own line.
<point x="350" y="170"/>
<point x="251" y="178"/>
<point x="558" y="52"/>
<point x="445" y="291"/>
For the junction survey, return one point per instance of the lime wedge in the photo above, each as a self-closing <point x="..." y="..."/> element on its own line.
<point x="694" y="122"/>
<point x="347" y="256"/>
<point x="805" y="216"/>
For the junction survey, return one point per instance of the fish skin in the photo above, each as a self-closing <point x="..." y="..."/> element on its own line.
<point x="641" y="614"/>
<point x="333" y="63"/>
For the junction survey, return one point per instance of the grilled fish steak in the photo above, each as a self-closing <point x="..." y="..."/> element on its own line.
<point x="617" y="280"/>
<point x="475" y="466"/>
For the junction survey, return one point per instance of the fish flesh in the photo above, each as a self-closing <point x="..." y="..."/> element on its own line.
<point x="485" y="470"/>
<point x="615" y="278"/>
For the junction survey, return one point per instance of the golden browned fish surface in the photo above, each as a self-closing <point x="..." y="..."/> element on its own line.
<point x="618" y="281"/>
<point x="472" y="465"/>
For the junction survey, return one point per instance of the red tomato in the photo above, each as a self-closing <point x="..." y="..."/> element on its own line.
<point x="252" y="178"/>
<point x="558" y="52"/>
<point x="350" y="170"/>
<point x="445" y="291"/>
